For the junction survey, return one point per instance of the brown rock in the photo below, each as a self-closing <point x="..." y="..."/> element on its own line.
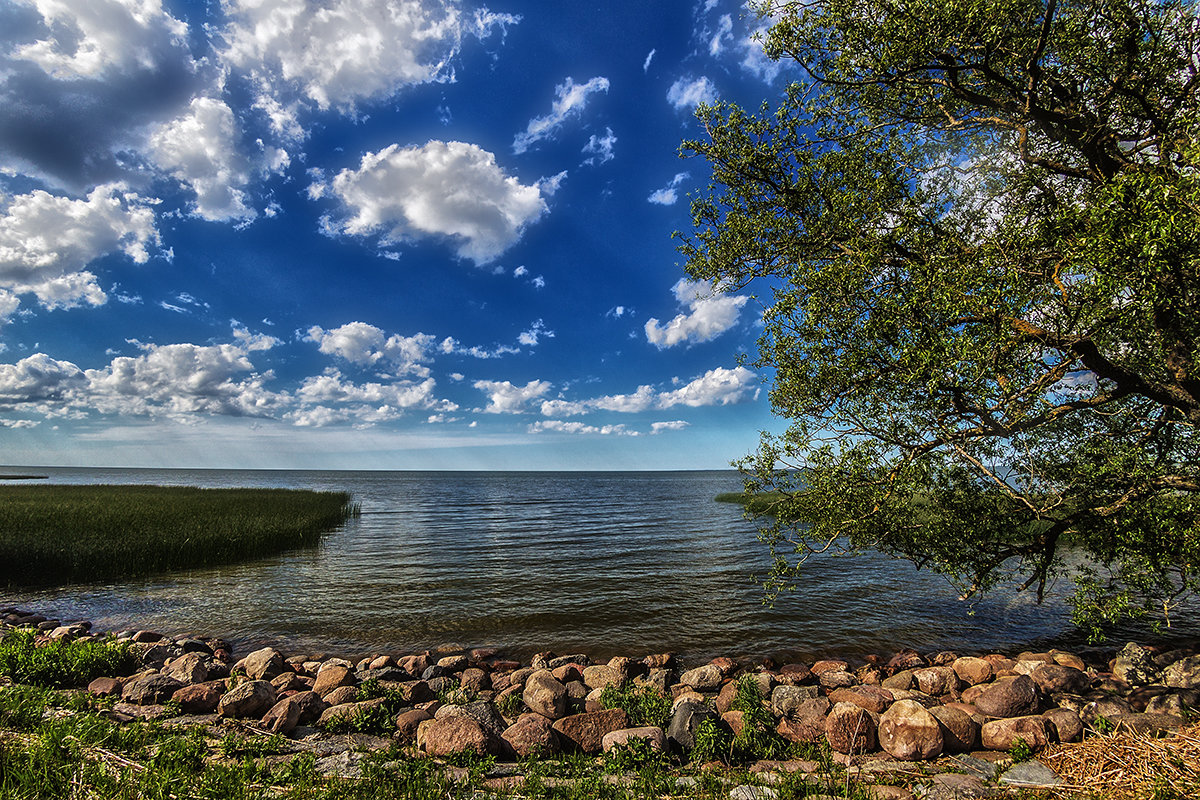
<point x="104" y="687"/>
<point x="532" y="735"/>
<point x="189" y="668"/>
<point x="795" y="671"/>
<point x="567" y="673"/>
<point x="1068" y="660"/>
<point x="585" y="732"/>
<point x="1065" y="725"/>
<point x="407" y="723"/>
<point x="959" y="732"/>
<point x="899" y="680"/>
<point x="379" y="662"/>
<point x="806" y="723"/>
<point x="735" y="721"/>
<point x="290" y="682"/>
<point x="905" y="660"/>
<point x="1002" y="734"/>
<point x="151" y="689"/>
<point x="264" y="664"/>
<point x="973" y="671"/>
<point x="333" y="676"/>
<point x="454" y="663"/>
<point x="545" y="695"/>
<point x="1054" y="678"/>
<point x="659" y="661"/>
<point x="341" y="696"/>
<point x="1147" y="724"/>
<point x="872" y="698"/>
<point x="199" y="698"/>
<point x="704" y="679"/>
<point x="414" y="665"/>
<point x="348" y="712"/>
<point x="250" y="699"/>
<point x="601" y="677"/>
<point x="1106" y="708"/>
<point x="936" y="681"/>
<point x="829" y="665"/>
<point x="909" y="732"/>
<point x="835" y="679"/>
<point x="850" y="729"/>
<point x="443" y="737"/>
<point x="654" y="736"/>
<point x="1013" y="698"/>
<point x="283" y="717"/>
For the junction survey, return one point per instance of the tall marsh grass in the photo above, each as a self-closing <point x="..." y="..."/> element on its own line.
<point x="57" y="534"/>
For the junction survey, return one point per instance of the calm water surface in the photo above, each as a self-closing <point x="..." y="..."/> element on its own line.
<point x="602" y="563"/>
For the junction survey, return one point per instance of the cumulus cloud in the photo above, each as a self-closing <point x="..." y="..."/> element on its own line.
<point x="36" y="379"/>
<point x="537" y="330"/>
<point x="80" y="82"/>
<point x="364" y="344"/>
<point x="329" y="398"/>
<point x="672" y="425"/>
<point x="689" y="93"/>
<point x="600" y="148"/>
<point x="717" y="387"/>
<point x="571" y="99"/>
<point x="505" y="398"/>
<point x="338" y="53"/>
<point x="450" y="189"/>
<point x="200" y="150"/>
<point x="558" y="426"/>
<point x="709" y="315"/>
<point x="667" y="196"/>
<point x="47" y="241"/>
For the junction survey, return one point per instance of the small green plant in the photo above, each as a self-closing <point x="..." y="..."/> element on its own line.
<point x="712" y="742"/>
<point x="509" y="705"/>
<point x="1020" y="751"/>
<point x="644" y="705"/>
<point x="758" y="738"/>
<point x="61" y="664"/>
<point x="1103" y="725"/>
<point x="237" y="746"/>
<point x="634" y="755"/>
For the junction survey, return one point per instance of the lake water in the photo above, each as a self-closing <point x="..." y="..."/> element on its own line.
<point x="602" y="563"/>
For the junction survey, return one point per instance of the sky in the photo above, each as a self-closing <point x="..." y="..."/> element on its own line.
<point x="367" y="234"/>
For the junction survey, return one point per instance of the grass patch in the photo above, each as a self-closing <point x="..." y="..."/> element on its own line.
<point x="56" y="534"/>
<point x="754" y="503"/>
<point x="61" y="664"/>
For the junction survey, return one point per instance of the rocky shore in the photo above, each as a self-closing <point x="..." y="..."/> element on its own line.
<point x="939" y="725"/>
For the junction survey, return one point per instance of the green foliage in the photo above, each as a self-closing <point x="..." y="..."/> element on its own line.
<point x="56" y="534"/>
<point x="758" y="738"/>
<point x="1020" y="751"/>
<point x="711" y="744"/>
<point x="979" y="223"/>
<point x="235" y="745"/>
<point x="644" y="705"/>
<point x="634" y="755"/>
<point x="377" y="719"/>
<point x="60" y="663"/>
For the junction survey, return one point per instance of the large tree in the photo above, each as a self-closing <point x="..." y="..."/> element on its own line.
<point x="979" y="223"/>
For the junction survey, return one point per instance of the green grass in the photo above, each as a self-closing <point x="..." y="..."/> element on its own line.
<point x="61" y="664"/>
<point x="754" y="503"/>
<point x="55" y="534"/>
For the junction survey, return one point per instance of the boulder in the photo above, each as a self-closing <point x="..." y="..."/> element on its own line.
<point x="1065" y="725"/>
<point x="1146" y="724"/>
<point x="444" y="737"/>
<point x="1055" y="679"/>
<point x="545" y="695"/>
<point x="1002" y="734"/>
<point x="151" y="689"/>
<point x="600" y="677"/>
<point x="960" y="732"/>
<point x="909" y="732"/>
<point x="199" y="698"/>
<point x="104" y="687"/>
<point x="1106" y="708"/>
<point x="850" y="729"/>
<point x="333" y="676"/>
<point x="786" y="699"/>
<point x="189" y="668"/>
<point x="703" y="679"/>
<point x="688" y="715"/>
<point x="585" y="732"/>
<point x="283" y="717"/>
<point x="475" y="680"/>
<point x="936" y="681"/>
<point x="407" y="723"/>
<point x="1184" y="673"/>
<point x="806" y="723"/>
<point x="872" y="698"/>
<point x="836" y="679"/>
<point x="347" y="713"/>
<point x="1180" y="704"/>
<point x="654" y="736"/>
<point x="249" y="699"/>
<point x="532" y="735"/>
<point x="1135" y="666"/>
<point x="1009" y="698"/>
<point x="264" y="664"/>
<point x="973" y="671"/>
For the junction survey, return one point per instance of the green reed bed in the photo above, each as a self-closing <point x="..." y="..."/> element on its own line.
<point x="56" y="534"/>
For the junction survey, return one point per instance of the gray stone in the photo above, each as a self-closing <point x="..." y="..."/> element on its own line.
<point x="250" y="699"/>
<point x="704" y="679"/>
<point x="1010" y="698"/>
<point x="681" y="733"/>
<point x="1135" y="665"/>
<point x="264" y="664"/>
<point x="1033" y="774"/>
<point x="545" y="695"/>
<point x="1183" y="674"/>
<point x="150" y="689"/>
<point x="786" y="699"/>
<point x="753" y="793"/>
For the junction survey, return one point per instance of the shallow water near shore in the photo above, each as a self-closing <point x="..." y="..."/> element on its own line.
<point x="603" y="563"/>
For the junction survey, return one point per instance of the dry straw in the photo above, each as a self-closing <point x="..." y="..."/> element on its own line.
<point x="1130" y="766"/>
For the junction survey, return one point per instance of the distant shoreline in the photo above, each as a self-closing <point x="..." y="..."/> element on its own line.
<point x="24" y="477"/>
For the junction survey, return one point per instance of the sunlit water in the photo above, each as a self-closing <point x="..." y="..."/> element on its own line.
<point x="602" y="563"/>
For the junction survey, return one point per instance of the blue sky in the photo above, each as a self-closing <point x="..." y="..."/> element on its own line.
<point x="372" y="234"/>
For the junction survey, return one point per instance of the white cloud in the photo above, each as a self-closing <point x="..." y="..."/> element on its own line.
<point x="724" y="31"/>
<point x="365" y="344"/>
<point x="451" y="189"/>
<point x="667" y="196"/>
<point x="363" y="404"/>
<point x="717" y="387"/>
<point x="600" y="148"/>
<point x="530" y="337"/>
<point x="199" y="149"/>
<point x="709" y="315"/>
<point x="571" y="99"/>
<point x="689" y="93"/>
<point x="9" y="303"/>
<point x="558" y="426"/>
<point x="649" y="58"/>
<point x="338" y="53"/>
<point x="520" y="272"/>
<point x="673" y="425"/>
<point x="89" y="39"/>
<point x="755" y="60"/>
<point x="181" y="381"/>
<point x="254" y="342"/>
<point x="38" y="378"/>
<point x="47" y="241"/>
<point x="505" y="398"/>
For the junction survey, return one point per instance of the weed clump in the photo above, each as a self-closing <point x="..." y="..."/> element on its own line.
<point x="61" y="664"/>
